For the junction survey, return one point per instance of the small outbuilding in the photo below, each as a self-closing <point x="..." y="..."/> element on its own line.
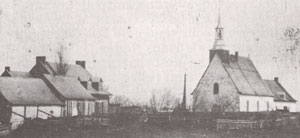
<point x="282" y="99"/>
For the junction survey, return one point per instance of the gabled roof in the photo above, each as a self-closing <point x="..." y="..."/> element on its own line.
<point x="69" y="87"/>
<point x="276" y="88"/>
<point x="245" y="77"/>
<point x="27" y="91"/>
<point x="76" y="71"/>
<point x="18" y="74"/>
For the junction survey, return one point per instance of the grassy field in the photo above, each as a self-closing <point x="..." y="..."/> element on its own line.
<point x="146" y="131"/>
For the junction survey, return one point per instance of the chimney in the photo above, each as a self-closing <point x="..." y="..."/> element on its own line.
<point x="81" y="63"/>
<point x="7" y="68"/>
<point x="41" y="59"/>
<point x="236" y="55"/>
<point x="276" y="79"/>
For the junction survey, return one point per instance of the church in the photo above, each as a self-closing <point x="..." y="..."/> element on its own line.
<point x="231" y="83"/>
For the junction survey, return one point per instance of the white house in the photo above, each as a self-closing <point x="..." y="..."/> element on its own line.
<point x="77" y="74"/>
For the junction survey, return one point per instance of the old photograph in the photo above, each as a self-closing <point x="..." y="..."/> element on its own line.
<point x="149" y="68"/>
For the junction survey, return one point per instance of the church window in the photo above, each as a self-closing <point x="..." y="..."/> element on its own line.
<point x="216" y="88"/>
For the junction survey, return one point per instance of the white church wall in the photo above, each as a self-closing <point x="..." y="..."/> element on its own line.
<point x="256" y="103"/>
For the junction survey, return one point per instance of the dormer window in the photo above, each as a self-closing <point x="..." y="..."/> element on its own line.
<point x="216" y="88"/>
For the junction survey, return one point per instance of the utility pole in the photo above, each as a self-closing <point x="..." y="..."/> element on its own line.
<point x="183" y="105"/>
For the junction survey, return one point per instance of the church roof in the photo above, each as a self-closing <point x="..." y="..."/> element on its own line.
<point x="245" y="77"/>
<point x="276" y="88"/>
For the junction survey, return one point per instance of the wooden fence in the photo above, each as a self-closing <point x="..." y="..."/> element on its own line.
<point x="91" y="121"/>
<point x="227" y="124"/>
<point x="221" y="121"/>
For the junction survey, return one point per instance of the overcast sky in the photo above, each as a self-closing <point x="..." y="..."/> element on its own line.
<point x="140" y="45"/>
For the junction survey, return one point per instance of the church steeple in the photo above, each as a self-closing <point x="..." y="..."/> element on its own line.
<point x="219" y="42"/>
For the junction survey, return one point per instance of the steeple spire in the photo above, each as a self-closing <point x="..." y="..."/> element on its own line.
<point x="219" y="19"/>
<point x="219" y="43"/>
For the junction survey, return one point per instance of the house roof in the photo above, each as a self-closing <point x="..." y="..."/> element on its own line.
<point x="76" y="71"/>
<point x="276" y="88"/>
<point x="246" y="77"/>
<point x="27" y="91"/>
<point x="69" y="87"/>
<point x="19" y="74"/>
<point x="96" y="79"/>
<point x="93" y="91"/>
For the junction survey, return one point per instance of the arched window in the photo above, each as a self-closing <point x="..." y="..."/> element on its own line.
<point x="216" y="88"/>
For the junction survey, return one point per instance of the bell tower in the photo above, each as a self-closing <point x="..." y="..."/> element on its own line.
<point x="219" y="46"/>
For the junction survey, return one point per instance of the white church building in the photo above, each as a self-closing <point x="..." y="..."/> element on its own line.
<point x="231" y="83"/>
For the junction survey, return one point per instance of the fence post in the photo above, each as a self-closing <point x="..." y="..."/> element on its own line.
<point x="217" y="126"/>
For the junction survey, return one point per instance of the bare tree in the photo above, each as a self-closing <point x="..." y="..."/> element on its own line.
<point x="162" y="100"/>
<point x="201" y="103"/>
<point x="122" y="100"/>
<point x="153" y="102"/>
<point x="224" y="103"/>
<point x="62" y="64"/>
<point x="167" y="100"/>
<point x="220" y="103"/>
<point x="292" y="37"/>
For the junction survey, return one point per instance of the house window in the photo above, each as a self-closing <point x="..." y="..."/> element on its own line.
<point x="285" y="108"/>
<point x="216" y="88"/>
<point x="247" y="105"/>
<point x="257" y="106"/>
